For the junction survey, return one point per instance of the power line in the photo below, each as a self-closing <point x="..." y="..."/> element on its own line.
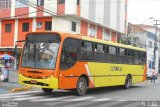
<point x="20" y="15"/>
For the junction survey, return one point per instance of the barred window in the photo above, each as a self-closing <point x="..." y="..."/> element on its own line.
<point x="5" y="4"/>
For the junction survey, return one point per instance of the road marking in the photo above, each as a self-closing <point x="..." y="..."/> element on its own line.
<point x="11" y="97"/>
<point x="19" y="93"/>
<point x="121" y="100"/>
<point x="28" y="98"/>
<point x="52" y="99"/>
<point x="80" y="99"/>
<point x="102" y="99"/>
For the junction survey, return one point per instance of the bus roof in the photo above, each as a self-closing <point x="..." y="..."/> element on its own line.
<point x="78" y="36"/>
<point x="112" y="43"/>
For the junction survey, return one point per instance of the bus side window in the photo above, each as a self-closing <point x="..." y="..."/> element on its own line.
<point x="87" y="51"/>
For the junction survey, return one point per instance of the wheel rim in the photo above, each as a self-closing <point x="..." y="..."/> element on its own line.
<point x="81" y="86"/>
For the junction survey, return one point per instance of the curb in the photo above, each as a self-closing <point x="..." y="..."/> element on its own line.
<point x="21" y="89"/>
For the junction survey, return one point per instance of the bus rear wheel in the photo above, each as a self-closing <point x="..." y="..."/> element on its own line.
<point x="128" y="82"/>
<point x="81" y="88"/>
<point x="47" y="90"/>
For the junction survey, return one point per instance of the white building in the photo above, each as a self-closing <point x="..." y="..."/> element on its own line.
<point x="146" y="39"/>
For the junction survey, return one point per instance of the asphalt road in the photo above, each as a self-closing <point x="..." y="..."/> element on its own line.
<point x="140" y="95"/>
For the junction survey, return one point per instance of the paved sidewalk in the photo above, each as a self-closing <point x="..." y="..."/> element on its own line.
<point x="13" y="82"/>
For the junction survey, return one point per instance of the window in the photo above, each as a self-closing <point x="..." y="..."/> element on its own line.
<point x="20" y="4"/>
<point x="25" y="27"/>
<point x="48" y="25"/>
<point x="122" y="51"/>
<point x="5" y="4"/>
<point x="61" y="1"/>
<point x="130" y="53"/>
<point x="100" y="48"/>
<point x="151" y="63"/>
<point x="99" y="54"/>
<point x="39" y="25"/>
<point x="74" y="26"/>
<point x="92" y="32"/>
<point x="87" y="50"/>
<point x="8" y="28"/>
<point x="112" y="50"/>
<point x="78" y="1"/>
<point x="106" y="36"/>
<point x="40" y="2"/>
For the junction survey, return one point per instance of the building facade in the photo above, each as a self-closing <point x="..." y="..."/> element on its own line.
<point x="102" y="19"/>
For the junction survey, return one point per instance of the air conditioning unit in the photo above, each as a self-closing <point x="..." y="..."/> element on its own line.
<point x="39" y="25"/>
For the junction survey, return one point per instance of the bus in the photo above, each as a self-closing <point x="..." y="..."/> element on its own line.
<point x="57" y="60"/>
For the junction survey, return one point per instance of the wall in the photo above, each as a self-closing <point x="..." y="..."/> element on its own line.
<point x="7" y="38"/>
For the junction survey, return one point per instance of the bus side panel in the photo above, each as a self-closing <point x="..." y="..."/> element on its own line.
<point x="68" y="78"/>
<point x="100" y="74"/>
<point x="107" y="74"/>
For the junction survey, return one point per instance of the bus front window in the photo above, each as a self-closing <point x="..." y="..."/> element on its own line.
<point x="40" y="51"/>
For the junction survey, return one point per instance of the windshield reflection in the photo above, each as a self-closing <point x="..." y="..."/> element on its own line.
<point x="40" y="55"/>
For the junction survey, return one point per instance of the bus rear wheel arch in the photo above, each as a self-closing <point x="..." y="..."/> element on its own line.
<point x="128" y="82"/>
<point x="81" y="87"/>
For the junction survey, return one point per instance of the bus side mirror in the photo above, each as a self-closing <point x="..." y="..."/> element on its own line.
<point x="15" y="50"/>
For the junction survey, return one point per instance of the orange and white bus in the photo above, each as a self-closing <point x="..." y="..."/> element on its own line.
<point x="55" y="60"/>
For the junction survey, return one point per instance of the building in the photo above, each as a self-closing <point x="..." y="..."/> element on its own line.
<point x="102" y="19"/>
<point x="145" y="38"/>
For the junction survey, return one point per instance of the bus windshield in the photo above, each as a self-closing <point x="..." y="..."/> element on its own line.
<point x="40" y="54"/>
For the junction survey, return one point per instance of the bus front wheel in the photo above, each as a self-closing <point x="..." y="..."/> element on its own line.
<point x="47" y="90"/>
<point x="128" y="82"/>
<point x="81" y="86"/>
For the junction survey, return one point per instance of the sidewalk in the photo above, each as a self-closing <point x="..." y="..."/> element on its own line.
<point x="13" y="82"/>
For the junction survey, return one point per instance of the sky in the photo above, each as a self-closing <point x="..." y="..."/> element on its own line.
<point x="139" y="11"/>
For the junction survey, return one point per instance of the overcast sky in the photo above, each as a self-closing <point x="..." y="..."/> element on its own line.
<point x="140" y="10"/>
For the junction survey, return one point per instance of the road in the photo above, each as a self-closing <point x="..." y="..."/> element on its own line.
<point x="140" y="95"/>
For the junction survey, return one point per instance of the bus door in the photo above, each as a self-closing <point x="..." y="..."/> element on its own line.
<point x="69" y="65"/>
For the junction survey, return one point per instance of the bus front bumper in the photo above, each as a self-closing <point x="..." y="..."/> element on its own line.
<point x="50" y="82"/>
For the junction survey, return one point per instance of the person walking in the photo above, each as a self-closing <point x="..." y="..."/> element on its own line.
<point x="7" y="66"/>
<point x="4" y="75"/>
<point x="153" y="78"/>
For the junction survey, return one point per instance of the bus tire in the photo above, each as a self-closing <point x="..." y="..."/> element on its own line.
<point x="47" y="90"/>
<point x="128" y="82"/>
<point x="81" y="87"/>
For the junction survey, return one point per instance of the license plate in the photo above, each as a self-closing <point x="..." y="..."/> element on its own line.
<point x="33" y="81"/>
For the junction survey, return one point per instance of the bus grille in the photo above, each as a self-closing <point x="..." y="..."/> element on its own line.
<point x="38" y="83"/>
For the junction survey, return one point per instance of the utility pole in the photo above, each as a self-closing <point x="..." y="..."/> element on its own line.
<point x="156" y="40"/>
